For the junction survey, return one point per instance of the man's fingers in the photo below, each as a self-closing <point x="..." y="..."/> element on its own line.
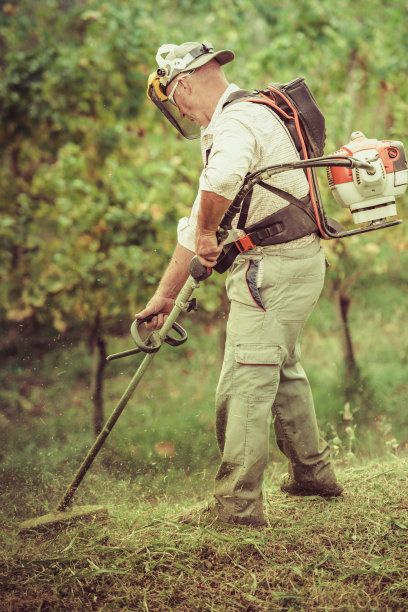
<point x="143" y="313"/>
<point x="157" y="321"/>
<point x="210" y="263"/>
<point x="154" y="322"/>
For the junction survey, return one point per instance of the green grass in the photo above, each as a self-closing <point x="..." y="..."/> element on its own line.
<point x="161" y="457"/>
<point x="345" y="554"/>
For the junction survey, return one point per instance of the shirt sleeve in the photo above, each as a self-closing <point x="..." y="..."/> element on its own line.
<point x="233" y="153"/>
<point x="186" y="228"/>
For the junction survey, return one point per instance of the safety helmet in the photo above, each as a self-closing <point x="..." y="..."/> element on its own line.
<point x="172" y="61"/>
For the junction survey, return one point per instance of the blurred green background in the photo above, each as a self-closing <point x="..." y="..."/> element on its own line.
<point x="92" y="183"/>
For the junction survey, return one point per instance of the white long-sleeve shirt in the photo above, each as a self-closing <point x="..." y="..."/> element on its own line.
<point x="242" y="138"/>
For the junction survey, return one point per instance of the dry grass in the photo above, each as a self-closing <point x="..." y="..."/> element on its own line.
<point x="344" y="554"/>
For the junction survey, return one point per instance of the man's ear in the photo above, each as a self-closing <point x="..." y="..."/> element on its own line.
<point x="187" y="86"/>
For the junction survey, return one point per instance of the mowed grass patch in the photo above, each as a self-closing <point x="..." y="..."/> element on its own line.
<point x="347" y="553"/>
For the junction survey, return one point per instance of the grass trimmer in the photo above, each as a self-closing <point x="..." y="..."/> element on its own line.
<point x="171" y="333"/>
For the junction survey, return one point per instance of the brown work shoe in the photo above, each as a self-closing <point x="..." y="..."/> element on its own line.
<point x="248" y="521"/>
<point x="200" y="515"/>
<point x="204" y="515"/>
<point x="332" y="489"/>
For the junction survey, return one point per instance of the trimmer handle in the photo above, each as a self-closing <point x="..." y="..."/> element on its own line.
<point x="154" y="342"/>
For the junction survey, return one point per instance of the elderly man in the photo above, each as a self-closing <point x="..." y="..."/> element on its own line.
<point x="272" y="289"/>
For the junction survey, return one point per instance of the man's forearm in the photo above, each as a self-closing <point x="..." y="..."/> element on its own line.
<point x="212" y="209"/>
<point x="176" y="274"/>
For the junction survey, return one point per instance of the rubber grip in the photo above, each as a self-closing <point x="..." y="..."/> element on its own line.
<point x="222" y="234"/>
<point x="198" y="271"/>
<point x="147" y="319"/>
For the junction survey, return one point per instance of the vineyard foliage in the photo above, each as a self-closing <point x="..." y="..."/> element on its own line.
<point x="93" y="180"/>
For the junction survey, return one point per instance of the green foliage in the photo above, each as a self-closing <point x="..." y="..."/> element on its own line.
<point x="93" y="180"/>
<point x="84" y="223"/>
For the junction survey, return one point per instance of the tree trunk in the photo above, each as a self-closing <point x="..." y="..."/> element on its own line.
<point x="344" y="302"/>
<point x="351" y="370"/>
<point x="98" y="351"/>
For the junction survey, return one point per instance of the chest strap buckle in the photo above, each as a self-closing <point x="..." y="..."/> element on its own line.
<point x="245" y="243"/>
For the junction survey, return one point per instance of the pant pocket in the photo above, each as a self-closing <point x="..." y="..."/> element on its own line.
<point x="244" y="281"/>
<point x="256" y="371"/>
<point x="253" y="277"/>
<point x="245" y="396"/>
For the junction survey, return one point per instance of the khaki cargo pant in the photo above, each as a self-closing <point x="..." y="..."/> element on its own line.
<point x="272" y="293"/>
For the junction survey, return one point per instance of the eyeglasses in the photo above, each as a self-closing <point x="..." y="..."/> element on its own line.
<point x="171" y="96"/>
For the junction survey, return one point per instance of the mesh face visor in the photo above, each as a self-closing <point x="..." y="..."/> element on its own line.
<point x="185" y="126"/>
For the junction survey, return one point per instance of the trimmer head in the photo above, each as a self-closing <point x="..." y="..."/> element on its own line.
<point x="57" y="518"/>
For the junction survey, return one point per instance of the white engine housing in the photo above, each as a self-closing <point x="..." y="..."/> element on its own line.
<point x="370" y="195"/>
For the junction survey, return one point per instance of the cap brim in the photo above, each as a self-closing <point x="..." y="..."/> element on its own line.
<point x="222" y="57"/>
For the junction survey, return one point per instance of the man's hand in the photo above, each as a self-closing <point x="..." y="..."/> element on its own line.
<point x="158" y="306"/>
<point x="207" y="248"/>
<point x="212" y="209"/>
<point x="174" y="278"/>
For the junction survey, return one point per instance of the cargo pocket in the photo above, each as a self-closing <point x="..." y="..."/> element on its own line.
<point x="256" y="371"/>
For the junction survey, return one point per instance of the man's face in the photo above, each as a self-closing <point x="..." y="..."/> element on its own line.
<point x="183" y="93"/>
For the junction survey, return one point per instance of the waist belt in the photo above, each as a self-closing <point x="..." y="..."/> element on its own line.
<point x="282" y="226"/>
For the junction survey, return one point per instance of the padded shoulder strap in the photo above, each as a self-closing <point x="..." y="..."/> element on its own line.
<point x="237" y="95"/>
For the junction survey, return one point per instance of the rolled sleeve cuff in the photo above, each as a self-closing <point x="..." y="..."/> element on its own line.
<point x="186" y="234"/>
<point x="215" y="182"/>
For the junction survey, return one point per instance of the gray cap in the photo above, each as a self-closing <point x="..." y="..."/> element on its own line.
<point x="187" y="56"/>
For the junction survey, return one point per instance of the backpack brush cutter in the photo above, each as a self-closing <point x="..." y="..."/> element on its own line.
<point x="365" y="176"/>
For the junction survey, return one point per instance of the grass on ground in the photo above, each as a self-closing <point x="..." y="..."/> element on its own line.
<point x="348" y="553"/>
<point x="345" y="554"/>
